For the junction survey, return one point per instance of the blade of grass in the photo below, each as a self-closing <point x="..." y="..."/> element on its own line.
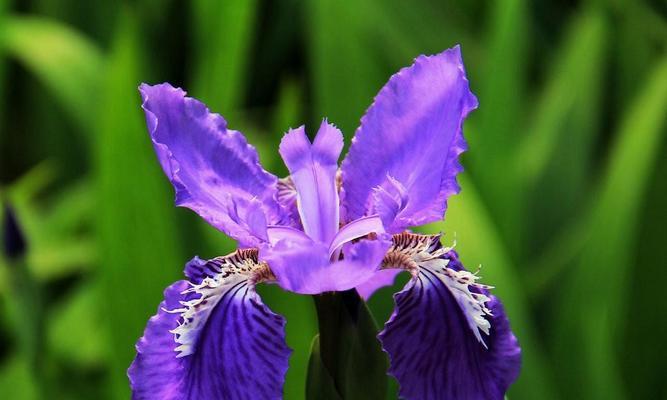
<point x="643" y="365"/>
<point x="479" y="242"/>
<point x="139" y="246"/>
<point x="570" y="86"/>
<point x="222" y="38"/>
<point x="16" y="380"/>
<point x="555" y="159"/>
<point x="62" y="58"/>
<point x="595" y="301"/>
<point x="3" y="68"/>
<point x="75" y="331"/>
<point x="346" y="75"/>
<point x="288" y="111"/>
<point x="501" y="96"/>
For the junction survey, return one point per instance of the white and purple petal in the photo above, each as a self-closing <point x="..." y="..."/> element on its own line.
<point x="214" y="170"/>
<point x="436" y="353"/>
<point x="403" y="160"/>
<point x="212" y="340"/>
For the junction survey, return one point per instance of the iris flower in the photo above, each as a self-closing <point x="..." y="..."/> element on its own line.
<point x="324" y="229"/>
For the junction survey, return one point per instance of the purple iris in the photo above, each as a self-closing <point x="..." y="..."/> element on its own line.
<point x="324" y="229"/>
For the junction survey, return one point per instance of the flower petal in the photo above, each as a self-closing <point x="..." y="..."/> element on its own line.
<point x="277" y="233"/>
<point x="213" y="169"/>
<point x="379" y="280"/>
<point x="306" y="268"/>
<point x="313" y="171"/>
<point x="356" y="229"/>
<point x="212" y="340"/>
<point x="409" y="141"/>
<point x="433" y="351"/>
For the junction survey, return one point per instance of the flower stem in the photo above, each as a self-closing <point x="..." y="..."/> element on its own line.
<point x="348" y="351"/>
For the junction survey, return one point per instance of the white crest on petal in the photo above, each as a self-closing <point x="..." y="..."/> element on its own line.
<point x="472" y="304"/>
<point x="416" y="253"/>
<point x="233" y="272"/>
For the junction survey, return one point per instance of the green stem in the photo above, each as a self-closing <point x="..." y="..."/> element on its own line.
<point x="28" y="314"/>
<point x="346" y="356"/>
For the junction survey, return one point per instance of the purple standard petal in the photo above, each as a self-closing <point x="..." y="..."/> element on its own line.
<point x="305" y="266"/>
<point x="435" y="352"/>
<point x="313" y="170"/>
<point x="403" y="160"/>
<point x="213" y="169"/>
<point x="212" y="340"/>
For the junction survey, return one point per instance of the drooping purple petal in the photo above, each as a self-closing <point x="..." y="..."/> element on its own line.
<point x="211" y="341"/>
<point x="434" y="353"/>
<point x="408" y="144"/>
<point x="306" y="268"/>
<point x="313" y="170"/>
<point x="214" y="170"/>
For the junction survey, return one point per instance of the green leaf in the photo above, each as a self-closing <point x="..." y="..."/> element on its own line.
<point x="345" y="75"/>
<point x="594" y="305"/>
<point x="222" y="38"/>
<point x="501" y="96"/>
<point x="288" y="112"/>
<point x="139" y="246"/>
<point x="75" y="329"/>
<point x="3" y="68"/>
<point x="320" y="384"/>
<point x="57" y="245"/>
<point x="554" y="163"/>
<point x="16" y="380"/>
<point x="66" y="62"/>
<point x="572" y="87"/>
<point x="348" y="349"/>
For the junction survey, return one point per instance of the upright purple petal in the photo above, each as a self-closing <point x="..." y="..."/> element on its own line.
<point x="213" y="169"/>
<point x="313" y="170"/>
<point x="403" y="160"/>
<point x="213" y="340"/>
<point x="434" y="353"/>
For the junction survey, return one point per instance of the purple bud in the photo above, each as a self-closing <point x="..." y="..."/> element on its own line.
<point x="13" y="240"/>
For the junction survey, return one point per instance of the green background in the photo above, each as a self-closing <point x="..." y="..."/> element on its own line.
<point x="564" y="198"/>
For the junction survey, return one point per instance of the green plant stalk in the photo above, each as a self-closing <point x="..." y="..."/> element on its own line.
<point x="346" y="350"/>
<point x="29" y="317"/>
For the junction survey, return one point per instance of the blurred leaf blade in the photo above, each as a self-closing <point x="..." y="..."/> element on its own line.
<point x="67" y="62"/>
<point x="16" y="381"/>
<point x="139" y="245"/>
<point x="320" y="385"/>
<point x="596" y="287"/>
<point x="222" y="31"/>
<point x="578" y="66"/>
<point x="555" y="160"/>
<point x="345" y="77"/>
<point x="85" y="345"/>
<point x="504" y="68"/>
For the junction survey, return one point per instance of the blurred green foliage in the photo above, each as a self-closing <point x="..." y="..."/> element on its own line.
<point x="564" y="199"/>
